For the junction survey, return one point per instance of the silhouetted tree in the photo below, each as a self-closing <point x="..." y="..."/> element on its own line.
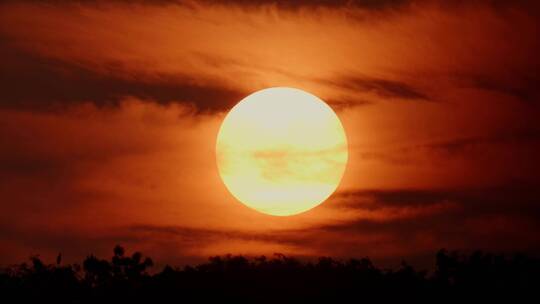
<point x="125" y="279"/>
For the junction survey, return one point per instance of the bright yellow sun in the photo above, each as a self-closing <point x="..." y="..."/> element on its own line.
<point x="281" y="151"/>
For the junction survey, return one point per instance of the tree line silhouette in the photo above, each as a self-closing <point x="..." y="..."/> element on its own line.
<point x="125" y="279"/>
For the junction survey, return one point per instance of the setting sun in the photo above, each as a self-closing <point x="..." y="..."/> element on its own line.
<point x="281" y="151"/>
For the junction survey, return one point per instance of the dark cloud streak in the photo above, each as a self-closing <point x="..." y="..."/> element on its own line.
<point x="528" y="135"/>
<point x="30" y="81"/>
<point x="385" y="88"/>
<point x="517" y="198"/>
<point x="524" y="88"/>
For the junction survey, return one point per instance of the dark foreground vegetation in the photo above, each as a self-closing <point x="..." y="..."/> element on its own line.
<point x="125" y="279"/>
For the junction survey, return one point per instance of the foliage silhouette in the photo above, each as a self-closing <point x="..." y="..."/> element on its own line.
<point x="125" y="279"/>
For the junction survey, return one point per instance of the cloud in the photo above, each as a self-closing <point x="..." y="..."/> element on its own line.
<point x="528" y="135"/>
<point x="522" y="87"/>
<point x="498" y="218"/>
<point x="383" y="88"/>
<point x="435" y="218"/>
<point x="201" y="237"/>
<point x="496" y="199"/>
<point x="200" y="52"/>
<point x="363" y="4"/>
<point x="55" y="83"/>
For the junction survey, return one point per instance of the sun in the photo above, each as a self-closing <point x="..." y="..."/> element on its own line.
<point x="281" y="151"/>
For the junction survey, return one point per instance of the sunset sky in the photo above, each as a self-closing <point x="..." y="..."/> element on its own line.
<point x="110" y="110"/>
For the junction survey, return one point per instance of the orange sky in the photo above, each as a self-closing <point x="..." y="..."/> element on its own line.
<point x="110" y="111"/>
